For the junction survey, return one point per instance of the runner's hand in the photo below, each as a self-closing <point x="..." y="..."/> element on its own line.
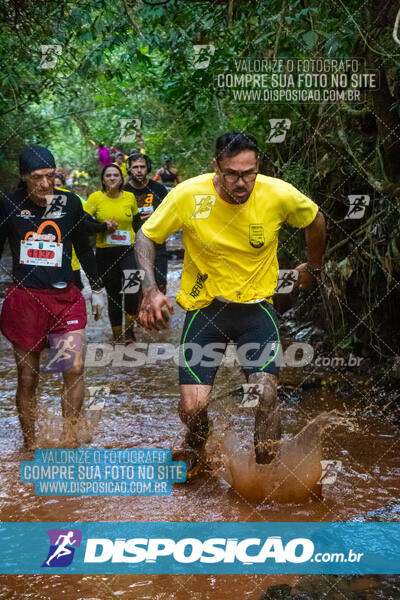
<point x="98" y="303"/>
<point x="306" y="280"/>
<point x="155" y="309"/>
<point x="112" y="225"/>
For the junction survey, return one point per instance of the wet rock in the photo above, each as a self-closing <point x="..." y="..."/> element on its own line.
<point x="303" y="333"/>
<point x="390" y="512"/>
<point x="277" y="592"/>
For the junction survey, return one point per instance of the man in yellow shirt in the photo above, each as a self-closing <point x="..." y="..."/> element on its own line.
<point x="230" y="221"/>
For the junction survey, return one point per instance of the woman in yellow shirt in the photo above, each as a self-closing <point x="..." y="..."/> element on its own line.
<point x="114" y="250"/>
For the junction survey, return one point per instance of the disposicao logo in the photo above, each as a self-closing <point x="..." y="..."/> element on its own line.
<point x="183" y="551"/>
<point x="190" y="550"/>
<point x="61" y="551"/>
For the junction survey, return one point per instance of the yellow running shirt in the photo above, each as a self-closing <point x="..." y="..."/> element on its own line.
<point x="230" y="249"/>
<point x="123" y="168"/>
<point x="121" y="209"/>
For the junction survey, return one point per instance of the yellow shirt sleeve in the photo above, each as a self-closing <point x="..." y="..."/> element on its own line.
<point x="301" y="210"/>
<point x="91" y="204"/>
<point x="167" y="219"/>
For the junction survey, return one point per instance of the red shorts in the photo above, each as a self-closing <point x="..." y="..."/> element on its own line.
<point x="30" y="314"/>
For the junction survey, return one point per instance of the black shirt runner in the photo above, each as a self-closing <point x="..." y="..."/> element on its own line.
<point x="41" y="239"/>
<point x="148" y="199"/>
<point x="167" y="176"/>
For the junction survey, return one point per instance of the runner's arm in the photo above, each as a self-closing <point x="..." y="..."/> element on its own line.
<point x="155" y="308"/>
<point x="93" y="225"/>
<point x="145" y="252"/>
<point x="141" y="143"/>
<point x="136" y="222"/>
<point x="113" y="149"/>
<point x="303" y="213"/>
<point x="316" y="241"/>
<point x="84" y="252"/>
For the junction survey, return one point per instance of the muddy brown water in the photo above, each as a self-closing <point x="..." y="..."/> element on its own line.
<point x="141" y="412"/>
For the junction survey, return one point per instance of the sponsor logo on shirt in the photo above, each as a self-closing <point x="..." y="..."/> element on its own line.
<point x="256" y="235"/>
<point x="25" y="214"/>
<point x="148" y="201"/>
<point x="43" y="237"/>
<point x="198" y="286"/>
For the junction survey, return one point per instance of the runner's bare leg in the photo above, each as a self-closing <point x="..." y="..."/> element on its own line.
<point x="72" y="396"/>
<point x="267" y="426"/>
<point x="28" y="377"/>
<point x="193" y="413"/>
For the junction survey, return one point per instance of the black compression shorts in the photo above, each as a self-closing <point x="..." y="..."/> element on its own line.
<point x="207" y="331"/>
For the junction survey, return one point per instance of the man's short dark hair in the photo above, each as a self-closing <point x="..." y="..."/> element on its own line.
<point x="135" y="156"/>
<point x="231" y="144"/>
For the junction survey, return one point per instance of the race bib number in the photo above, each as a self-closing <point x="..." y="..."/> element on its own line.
<point x="119" y="238"/>
<point x="41" y="254"/>
<point x="146" y="210"/>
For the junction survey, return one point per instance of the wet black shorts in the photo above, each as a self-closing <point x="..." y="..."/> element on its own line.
<point x="206" y="332"/>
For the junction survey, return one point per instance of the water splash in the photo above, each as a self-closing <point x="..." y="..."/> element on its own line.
<point x="291" y="477"/>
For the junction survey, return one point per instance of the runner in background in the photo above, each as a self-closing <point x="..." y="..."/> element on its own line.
<point x="114" y="250"/>
<point x="149" y="194"/>
<point x="43" y="305"/>
<point x="141" y="149"/>
<point x="59" y="180"/>
<point x="120" y="162"/>
<point x="103" y="154"/>
<point x="92" y="226"/>
<point x="168" y="174"/>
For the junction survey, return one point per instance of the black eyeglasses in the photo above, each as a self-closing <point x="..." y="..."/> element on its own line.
<point x="248" y="177"/>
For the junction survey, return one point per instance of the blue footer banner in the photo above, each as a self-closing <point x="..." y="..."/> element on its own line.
<point x="200" y="548"/>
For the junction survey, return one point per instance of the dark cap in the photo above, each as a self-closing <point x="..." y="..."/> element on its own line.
<point x="33" y="158"/>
